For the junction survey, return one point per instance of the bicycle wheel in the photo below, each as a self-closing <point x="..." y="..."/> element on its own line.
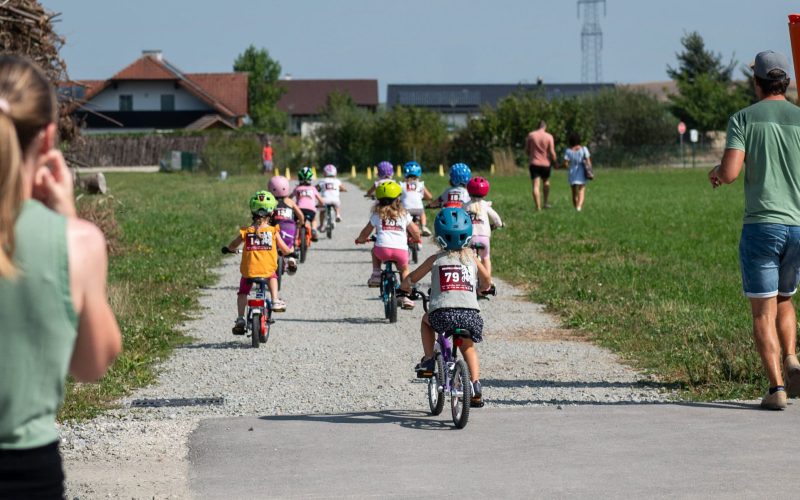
<point x="255" y="329"/>
<point x="414" y="256"/>
<point x="266" y="326"/>
<point x="329" y="226"/>
<point x="461" y="395"/>
<point x="303" y="243"/>
<point x="281" y="263"/>
<point x="436" y="387"/>
<point x="392" y="305"/>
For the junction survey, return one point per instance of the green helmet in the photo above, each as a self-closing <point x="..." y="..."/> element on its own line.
<point x="262" y="203"/>
<point x="305" y="174"/>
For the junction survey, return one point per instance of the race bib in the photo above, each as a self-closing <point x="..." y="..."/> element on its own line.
<point x="258" y="241"/>
<point x="455" y="278"/>
<point x="283" y="213"/>
<point x="391" y="225"/>
<point x="453" y="200"/>
<point x="330" y="186"/>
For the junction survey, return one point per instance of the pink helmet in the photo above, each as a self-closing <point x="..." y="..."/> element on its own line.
<point x="478" y="186"/>
<point x="279" y="186"/>
<point x="385" y="170"/>
<point x="330" y="170"/>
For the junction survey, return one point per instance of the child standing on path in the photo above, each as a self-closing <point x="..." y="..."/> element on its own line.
<point x="414" y="192"/>
<point x="393" y="226"/>
<point x="329" y="188"/>
<point x="574" y="158"/>
<point x="453" y="301"/>
<point x="259" y="256"/>
<point x="286" y="215"/>
<point x="484" y="218"/>
<point x="456" y="195"/>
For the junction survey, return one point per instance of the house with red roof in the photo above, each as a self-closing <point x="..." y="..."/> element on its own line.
<point x="152" y="94"/>
<point x="303" y="100"/>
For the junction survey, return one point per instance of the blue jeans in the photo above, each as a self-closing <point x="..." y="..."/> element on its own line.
<point x="769" y="256"/>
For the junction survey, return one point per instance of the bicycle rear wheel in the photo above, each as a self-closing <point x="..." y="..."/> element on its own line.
<point x="303" y="243"/>
<point x="266" y="326"/>
<point x="255" y="330"/>
<point x="436" y="387"/>
<point x="391" y="303"/>
<point x="414" y="254"/>
<point x="329" y="226"/>
<point x="461" y="395"/>
<point x="281" y="264"/>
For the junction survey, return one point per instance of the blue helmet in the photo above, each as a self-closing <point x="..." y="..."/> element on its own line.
<point x="412" y="169"/>
<point x="460" y="174"/>
<point x="453" y="228"/>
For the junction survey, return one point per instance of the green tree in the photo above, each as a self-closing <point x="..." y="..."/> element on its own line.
<point x="344" y="138"/>
<point x="706" y="95"/>
<point x="263" y="90"/>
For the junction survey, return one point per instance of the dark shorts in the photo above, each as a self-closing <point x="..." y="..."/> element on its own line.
<point x="539" y="171"/>
<point x="309" y="214"/>
<point x="34" y="473"/>
<point x="444" y="320"/>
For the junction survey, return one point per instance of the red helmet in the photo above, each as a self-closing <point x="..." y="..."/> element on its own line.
<point x="478" y="186"/>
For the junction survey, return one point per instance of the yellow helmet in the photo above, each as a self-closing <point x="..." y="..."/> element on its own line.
<point x="388" y="191"/>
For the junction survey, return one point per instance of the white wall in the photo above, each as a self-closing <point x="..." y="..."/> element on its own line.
<point x="146" y="97"/>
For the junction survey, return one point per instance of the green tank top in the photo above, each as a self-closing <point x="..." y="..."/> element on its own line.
<point x="38" y="328"/>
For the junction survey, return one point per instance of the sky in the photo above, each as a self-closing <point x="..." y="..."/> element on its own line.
<point x="414" y="41"/>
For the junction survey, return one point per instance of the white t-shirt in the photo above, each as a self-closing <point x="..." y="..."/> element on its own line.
<point x="328" y="188"/>
<point x="482" y="224"/>
<point x="413" y="190"/>
<point x="455" y="196"/>
<point x="391" y="233"/>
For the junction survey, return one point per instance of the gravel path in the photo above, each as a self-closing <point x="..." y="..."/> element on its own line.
<point x="331" y="352"/>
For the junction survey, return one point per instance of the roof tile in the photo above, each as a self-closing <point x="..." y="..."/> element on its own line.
<point x="307" y="97"/>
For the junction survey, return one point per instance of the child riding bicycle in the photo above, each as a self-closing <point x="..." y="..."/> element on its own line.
<point x="456" y="195"/>
<point x="484" y="218"/>
<point x="414" y="192"/>
<point x="453" y="302"/>
<point x="329" y="188"/>
<point x="259" y="255"/>
<point x="307" y="198"/>
<point x="286" y="215"/>
<point x="385" y="174"/>
<point x="392" y="224"/>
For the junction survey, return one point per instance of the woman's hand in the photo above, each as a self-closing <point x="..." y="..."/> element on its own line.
<point x="52" y="184"/>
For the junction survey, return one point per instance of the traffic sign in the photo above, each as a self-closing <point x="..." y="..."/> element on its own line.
<point x="681" y="128"/>
<point x="694" y="136"/>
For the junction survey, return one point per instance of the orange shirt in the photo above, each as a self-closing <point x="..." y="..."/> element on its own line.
<point x="538" y="145"/>
<point x="260" y="253"/>
<point x="267" y="153"/>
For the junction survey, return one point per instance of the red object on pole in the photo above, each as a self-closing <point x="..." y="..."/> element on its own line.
<point x="794" y="37"/>
<point x="681" y="128"/>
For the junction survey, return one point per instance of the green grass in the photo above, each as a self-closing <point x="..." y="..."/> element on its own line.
<point x="172" y="227"/>
<point x="648" y="269"/>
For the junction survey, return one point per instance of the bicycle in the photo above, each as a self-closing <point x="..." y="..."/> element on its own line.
<point x="303" y="241"/>
<point x="258" y="314"/>
<point x="450" y="376"/>
<point x="414" y="247"/>
<point x="388" y="289"/>
<point x="330" y="222"/>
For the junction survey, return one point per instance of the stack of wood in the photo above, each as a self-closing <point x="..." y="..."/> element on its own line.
<point x="26" y="29"/>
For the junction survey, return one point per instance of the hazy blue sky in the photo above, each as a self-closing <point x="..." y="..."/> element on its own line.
<point x="414" y="41"/>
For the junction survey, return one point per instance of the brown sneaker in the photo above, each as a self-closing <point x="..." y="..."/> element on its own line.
<point x="792" y="369"/>
<point x="774" y="401"/>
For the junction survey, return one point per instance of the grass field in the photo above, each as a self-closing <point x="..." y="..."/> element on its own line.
<point x="649" y="269"/>
<point x="172" y="227"/>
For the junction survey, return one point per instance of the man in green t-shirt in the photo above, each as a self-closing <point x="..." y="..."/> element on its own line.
<point x="766" y="138"/>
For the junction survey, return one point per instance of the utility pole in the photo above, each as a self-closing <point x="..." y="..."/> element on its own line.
<point x="591" y="40"/>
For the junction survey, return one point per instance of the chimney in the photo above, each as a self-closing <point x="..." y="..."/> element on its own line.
<point x="155" y="54"/>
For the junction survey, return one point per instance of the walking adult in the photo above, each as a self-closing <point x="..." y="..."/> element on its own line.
<point x="766" y="138"/>
<point x="576" y="159"/>
<point x="266" y="157"/>
<point x="54" y="311"/>
<point x="541" y="151"/>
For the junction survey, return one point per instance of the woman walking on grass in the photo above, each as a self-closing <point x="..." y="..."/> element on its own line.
<point x="54" y="311"/>
<point x="576" y="158"/>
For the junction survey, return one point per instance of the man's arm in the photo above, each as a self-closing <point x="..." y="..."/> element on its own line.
<point x="730" y="168"/>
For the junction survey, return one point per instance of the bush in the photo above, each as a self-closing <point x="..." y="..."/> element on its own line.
<point x="232" y="152"/>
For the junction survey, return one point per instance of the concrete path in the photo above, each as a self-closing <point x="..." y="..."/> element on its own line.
<point x="585" y="451"/>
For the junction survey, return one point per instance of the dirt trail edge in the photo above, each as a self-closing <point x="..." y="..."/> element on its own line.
<point x="331" y="352"/>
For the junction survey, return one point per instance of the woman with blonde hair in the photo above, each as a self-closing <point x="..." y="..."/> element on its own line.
<point x="54" y="310"/>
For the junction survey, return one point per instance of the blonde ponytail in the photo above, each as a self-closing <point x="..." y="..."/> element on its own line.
<point x="27" y="105"/>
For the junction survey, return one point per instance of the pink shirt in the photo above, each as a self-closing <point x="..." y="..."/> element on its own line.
<point x="538" y="145"/>
<point x="306" y="197"/>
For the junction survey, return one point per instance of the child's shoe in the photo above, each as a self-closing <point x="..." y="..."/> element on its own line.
<point x="291" y="265"/>
<point x="314" y="236"/>
<point x="338" y="218"/>
<point x="426" y="231"/>
<point x="374" y="281"/>
<point x="477" y="395"/>
<point x="278" y="306"/>
<point x="425" y="368"/>
<point x="238" y="327"/>
<point x="405" y="303"/>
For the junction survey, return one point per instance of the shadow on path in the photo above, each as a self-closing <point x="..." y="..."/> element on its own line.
<point x="350" y="321"/>
<point x="718" y="405"/>
<point x="404" y="418"/>
<point x="490" y="382"/>
<point x="230" y="344"/>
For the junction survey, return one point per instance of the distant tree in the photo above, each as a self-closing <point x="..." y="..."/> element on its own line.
<point x="706" y="96"/>
<point x="263" y="90"/>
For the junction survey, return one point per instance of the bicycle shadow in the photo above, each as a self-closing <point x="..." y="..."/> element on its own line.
<point x="230" y="344"/>
<point x="408" y="419"/>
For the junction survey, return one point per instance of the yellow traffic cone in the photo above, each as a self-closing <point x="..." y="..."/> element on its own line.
<point x="441" y="170"/>
<point x="369" y="173"/>
<point x="353" y="171"/>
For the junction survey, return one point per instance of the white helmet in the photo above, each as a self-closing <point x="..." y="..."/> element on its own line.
<point x="330" y="170"/>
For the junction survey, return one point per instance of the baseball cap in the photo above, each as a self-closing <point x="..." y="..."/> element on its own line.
<point x="767" y="61"/>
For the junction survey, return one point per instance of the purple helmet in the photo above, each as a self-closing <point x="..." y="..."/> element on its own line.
<point x="385" y="170"/>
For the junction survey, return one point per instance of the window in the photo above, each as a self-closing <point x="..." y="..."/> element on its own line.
<point x="126" y="103"/>
<point x="167" y="102"/>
